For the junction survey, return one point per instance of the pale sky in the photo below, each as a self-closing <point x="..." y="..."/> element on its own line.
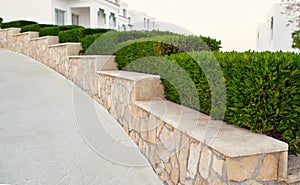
<point x="233" y="22"/>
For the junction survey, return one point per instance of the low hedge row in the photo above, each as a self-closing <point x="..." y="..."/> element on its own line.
<point x="16" y="24"/>
<point x="55" y="30"/>
<point x="262" y="89"/>
<point x="159" y="46"/>
<point x="110" y="42"/>
<point x="75" y="35"/>
<point x="35" y="27"/>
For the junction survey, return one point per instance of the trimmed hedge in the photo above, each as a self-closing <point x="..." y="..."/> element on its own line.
<point x="296" y="39"/>
<point x="107" y="44"/>
<point x="16" y="24"/>
<point x="92" y="31"/>
<point x="35" y="27"/>
<point x="55" y="30"/>
<point x="159" y="46"/>
<point x="49" y="31"/>
<point x="87" y="41"/>
<point x="75" y="35"/>
<point x="262" y="89"/>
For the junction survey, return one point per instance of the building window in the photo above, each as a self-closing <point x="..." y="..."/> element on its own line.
<point x="148" y="24"/>
<point x="124" y="13"/>
<point x="75" y="19"/>
<point x="113" y="20"/>
<point x="272" y="27"/>
<point x="102" y="17"/>
<point x="59" y="17"/>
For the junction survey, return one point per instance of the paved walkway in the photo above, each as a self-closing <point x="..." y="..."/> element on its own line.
<point x="52" y="133"/>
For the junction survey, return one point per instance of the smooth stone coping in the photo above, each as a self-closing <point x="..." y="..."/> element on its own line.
<point x="132" y="76"/>
<point x="226" y="139"/>
<point x="43" y="38"/>
<point x="25" y="33"/>
<point x="11" y="28"/>
<point x="91" y="56"/>
<point x="64" y="44"/>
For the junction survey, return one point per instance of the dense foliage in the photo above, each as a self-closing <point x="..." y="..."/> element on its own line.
<point x="161" y="45"/>
<point x="262" y="89"/>
<point x="75" y="35"/>
<point x="296" y="39"/>
<point x="110" y="42"/>
<point x="35" y="27"/>
<point x="16" y="24"/>
<point x="55" y="30"/>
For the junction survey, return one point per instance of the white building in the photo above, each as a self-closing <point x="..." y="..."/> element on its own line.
<point x="275" y="35"/>
<point x="88" y="13"/>
<point x="140" y="21"/>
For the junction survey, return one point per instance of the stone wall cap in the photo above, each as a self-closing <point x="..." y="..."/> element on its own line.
<point x="227" y="139"/>
<point x="91" y="56"/>
<point x="64" y="44"/>
<point x="43" y="38"/>
<point x="8" y="29"/>
<point x="132" y="76"/>
<point x="25" y="33"/>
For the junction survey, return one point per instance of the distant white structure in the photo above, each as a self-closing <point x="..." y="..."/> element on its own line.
<point x="140" y="21"/>
<point x="111" y="14"/>
<point x="275" y="35"/>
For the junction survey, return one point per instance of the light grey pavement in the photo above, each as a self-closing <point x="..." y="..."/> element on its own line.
<point x="53" y="133"/>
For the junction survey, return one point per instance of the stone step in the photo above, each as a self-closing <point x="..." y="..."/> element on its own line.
<point x="82" y="70"/>
<point x="39" y="47"/>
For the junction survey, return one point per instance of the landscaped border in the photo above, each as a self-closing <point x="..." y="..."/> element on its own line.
<point x="171" y="138"/>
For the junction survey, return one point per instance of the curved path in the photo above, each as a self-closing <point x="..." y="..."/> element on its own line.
<point x="41" y="141"/>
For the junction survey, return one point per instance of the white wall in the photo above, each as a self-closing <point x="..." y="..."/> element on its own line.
<point x="84" y="15"/>
<point x="282" y="34"/>
<point x="35" y="10"/>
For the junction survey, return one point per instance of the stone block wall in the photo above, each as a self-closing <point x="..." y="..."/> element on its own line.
<point x="40" y="46"/>
<point x="82" y="71"/>
<point x="182" y="145"/>
<point x="21" y="42"/>
<point x="58" y="56"/>
<point x="176" y="149"/>
<point x="6" y="37"/>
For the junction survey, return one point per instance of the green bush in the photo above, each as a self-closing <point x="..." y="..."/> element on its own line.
<point x="92" y="31"/>
<point x="17" y="24"/>
<point x="73" y="35"/>
<point x="54" y="30"/>
<point x="262" y="89"/>
<point x="109" y="41"/>
<point x="296" y="39"/>
<point x="159" y="46"/>
<point x="69" y="27"/>
<point x="1" y="20"/>
<point x="35" y="27"/>
<point x="49" y="31"/>
<point x="87" y="41"/>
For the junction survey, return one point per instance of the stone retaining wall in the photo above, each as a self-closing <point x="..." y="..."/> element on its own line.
<point x="178" y="141"/>
<point x="183" y="145"/>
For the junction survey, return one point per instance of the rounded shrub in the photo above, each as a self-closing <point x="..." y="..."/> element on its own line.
<point x="17" y="24"/>
<point x="262" y="89"/>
